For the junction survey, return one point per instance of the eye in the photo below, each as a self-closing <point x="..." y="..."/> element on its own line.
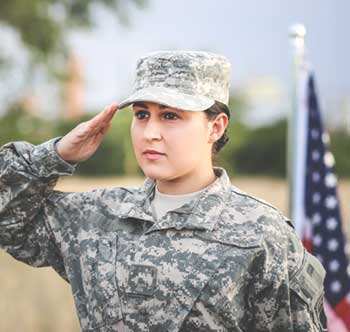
<point x="140" y="115"/>
<point x="170" y="116"/>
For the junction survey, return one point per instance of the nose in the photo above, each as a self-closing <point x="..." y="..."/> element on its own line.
<point x="152" y="130"/>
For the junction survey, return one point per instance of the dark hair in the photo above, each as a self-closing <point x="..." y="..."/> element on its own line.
<point x="211" y="113"/>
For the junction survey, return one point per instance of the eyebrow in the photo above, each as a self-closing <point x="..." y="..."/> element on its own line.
<point x="139" y="104"/>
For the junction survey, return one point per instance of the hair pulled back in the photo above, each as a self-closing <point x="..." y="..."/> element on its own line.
<point x="211" y="113"/>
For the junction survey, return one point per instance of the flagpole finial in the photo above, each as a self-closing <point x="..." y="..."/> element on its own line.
<point x="297" y="30"/>
<point x="297" y="33"/>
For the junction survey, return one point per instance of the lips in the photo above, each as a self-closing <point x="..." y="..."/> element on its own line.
<point x="149" y="151"/>
<point x="153" y="155"/>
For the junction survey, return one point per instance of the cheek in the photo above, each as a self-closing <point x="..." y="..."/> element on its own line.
<point x="187" y="142"/>
<point x="135" y="136"/>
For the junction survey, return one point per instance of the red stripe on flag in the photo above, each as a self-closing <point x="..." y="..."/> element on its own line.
<point x="307" y="244"/>
<point x="343" y="311"/>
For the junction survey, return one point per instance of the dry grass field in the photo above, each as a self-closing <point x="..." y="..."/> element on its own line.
<point x="37" y="300"/>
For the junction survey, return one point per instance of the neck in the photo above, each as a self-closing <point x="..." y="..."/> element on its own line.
<point x="187" y="183"/>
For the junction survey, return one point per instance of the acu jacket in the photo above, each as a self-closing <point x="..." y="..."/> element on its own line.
<point x="224" y="262"/>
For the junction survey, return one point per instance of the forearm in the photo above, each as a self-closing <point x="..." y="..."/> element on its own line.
<point x="28" y="175"/>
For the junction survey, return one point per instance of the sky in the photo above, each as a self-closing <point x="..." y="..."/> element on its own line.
<point x="253" y="35"/>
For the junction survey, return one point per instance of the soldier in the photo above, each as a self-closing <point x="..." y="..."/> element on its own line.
<point x="187" y="251"/>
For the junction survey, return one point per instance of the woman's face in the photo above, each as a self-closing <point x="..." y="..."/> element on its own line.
<point x="170" y="143"/>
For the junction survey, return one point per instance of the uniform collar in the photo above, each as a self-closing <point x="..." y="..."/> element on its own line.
<point x="201" y="213"/>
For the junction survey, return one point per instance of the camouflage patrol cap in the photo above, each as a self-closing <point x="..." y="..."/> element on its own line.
<point x="188" y="80"/>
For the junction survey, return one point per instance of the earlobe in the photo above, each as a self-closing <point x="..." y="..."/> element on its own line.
<point x="215" y="137"/>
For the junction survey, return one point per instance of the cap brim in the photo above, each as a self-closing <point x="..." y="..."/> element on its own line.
<point x="169" y="97"/>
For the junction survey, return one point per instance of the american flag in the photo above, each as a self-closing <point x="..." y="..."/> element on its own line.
<point x="322" y="230"/>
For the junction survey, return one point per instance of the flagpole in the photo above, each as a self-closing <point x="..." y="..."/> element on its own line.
<point x="296" y="150"/>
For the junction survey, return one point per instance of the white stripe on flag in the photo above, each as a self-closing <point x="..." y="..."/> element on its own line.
<point x="334" y="323"/>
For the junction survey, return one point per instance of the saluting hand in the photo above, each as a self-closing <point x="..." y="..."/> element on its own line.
<point x="82" y="141"/>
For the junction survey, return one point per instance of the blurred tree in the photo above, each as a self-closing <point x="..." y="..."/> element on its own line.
<point x="263" y="151"/>
<point x="340" y="147"/>
<point x="18" y="124"/>
<point x="43" y="24"/>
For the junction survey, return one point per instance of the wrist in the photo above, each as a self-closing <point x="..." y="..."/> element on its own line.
<point x="60" y="155"/>
<point x="45" y="161"/>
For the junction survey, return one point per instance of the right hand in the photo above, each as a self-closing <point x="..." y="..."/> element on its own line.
<point x="82" y="141"/>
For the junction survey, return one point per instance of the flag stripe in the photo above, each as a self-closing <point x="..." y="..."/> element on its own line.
<point x="343" y="309"/>
<point x="334" y="323"/>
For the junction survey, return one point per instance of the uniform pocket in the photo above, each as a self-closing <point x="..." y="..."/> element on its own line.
<point x="98" y="255"/>
<point x="225" y="294"/>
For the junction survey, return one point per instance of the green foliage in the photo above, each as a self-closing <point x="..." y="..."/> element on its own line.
<point x="263" y="151"/>
<point x="340" y="147"/>
<point x="43" y="24"/>
<point x="20" y="125"/>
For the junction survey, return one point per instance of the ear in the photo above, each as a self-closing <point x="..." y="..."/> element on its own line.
<point x="217" y="127"/>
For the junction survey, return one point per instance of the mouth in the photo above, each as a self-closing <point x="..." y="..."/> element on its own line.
<point x="153" y="154"/>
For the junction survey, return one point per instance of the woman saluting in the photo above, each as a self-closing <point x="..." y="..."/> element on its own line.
<point x="187" y="251"/>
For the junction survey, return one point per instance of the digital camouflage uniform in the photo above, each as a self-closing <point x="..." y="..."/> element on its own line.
<point x="226" y="262"/>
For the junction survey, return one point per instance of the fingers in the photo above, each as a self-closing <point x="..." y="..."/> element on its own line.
<point x="105" y="128"/>
<point x="103" y="118"/>
<point x="106" y="114"/>
<point x="99" y="136"/>
<point x="110" y="112"/>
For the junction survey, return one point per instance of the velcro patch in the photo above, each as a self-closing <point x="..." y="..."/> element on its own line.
<point x="308" y="281"/>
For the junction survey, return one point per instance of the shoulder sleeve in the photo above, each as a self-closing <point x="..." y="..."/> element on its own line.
<point x="288" y="288"/>
<point x="306" y="295"/>
<point x="28" y="175"/>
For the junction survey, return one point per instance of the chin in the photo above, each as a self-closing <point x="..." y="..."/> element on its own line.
<point x="157" y="173"/>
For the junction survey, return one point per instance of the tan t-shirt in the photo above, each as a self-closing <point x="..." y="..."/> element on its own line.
<point x="162" y="203"/>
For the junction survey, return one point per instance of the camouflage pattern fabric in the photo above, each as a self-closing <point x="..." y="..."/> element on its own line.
<point x="224" y="262"/>
<point x="188" y="80"/>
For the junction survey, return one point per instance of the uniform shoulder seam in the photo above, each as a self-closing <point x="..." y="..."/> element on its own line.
<point x="242" y="193"/>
